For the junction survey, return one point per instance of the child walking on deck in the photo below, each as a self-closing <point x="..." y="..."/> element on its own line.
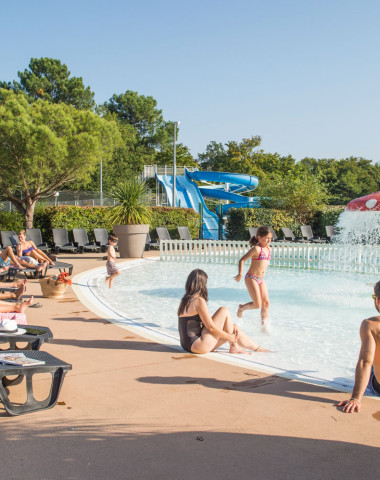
<point x="112" y="270"/>
<point x="254" y="278"/>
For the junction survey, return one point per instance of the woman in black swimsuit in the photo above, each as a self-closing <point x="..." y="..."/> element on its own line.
<point x="202" y="333"/>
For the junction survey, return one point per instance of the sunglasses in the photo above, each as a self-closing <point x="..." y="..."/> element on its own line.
<point x="373" y="296"/>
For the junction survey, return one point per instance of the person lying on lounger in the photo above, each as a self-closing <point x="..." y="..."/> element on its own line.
<point x="202" y="333"/>
<point x="7" y="307"/>
<point x="9" y="259"/>
<point x="19" y="289"/>
<point x="27" y="251"/>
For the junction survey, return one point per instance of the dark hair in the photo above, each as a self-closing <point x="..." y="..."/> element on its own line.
<point x="261" y="232"/>
<point x="376" y="289"/>
<point x="196" y="284"/>
<point x="112" y="238"/>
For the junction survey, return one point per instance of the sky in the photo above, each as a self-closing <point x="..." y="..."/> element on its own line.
<point x="304" y="75"/>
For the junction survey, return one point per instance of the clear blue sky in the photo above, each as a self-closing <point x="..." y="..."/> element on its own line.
<point x="302" y="74"/>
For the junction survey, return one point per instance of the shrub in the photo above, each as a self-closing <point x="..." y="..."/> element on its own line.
<point x="241" y="219"/>
<point x="11" y="221"/>
<point x="70" y="217"/>
<point x="327" y="215"/>
<point x="171" y="218"/>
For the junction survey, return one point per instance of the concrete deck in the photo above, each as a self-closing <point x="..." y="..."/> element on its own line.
<point x="134" y="409"/>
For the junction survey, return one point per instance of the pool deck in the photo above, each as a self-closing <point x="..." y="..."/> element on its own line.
<point x="135" y="409"/>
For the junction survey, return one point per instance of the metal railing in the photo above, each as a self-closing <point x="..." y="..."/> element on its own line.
<point x="150" y="171"/>
<point x="328" y="257"/>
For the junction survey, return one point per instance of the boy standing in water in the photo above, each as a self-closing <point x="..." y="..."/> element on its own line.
<point x="112" y="269"/>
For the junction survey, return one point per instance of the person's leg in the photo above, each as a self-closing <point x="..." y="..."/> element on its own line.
<point x="254" y="292"/>
<point x="6" y="307"/>
<point x="264" y="303"/>
<point x="246" y="342"/>
<point x="8" y="253"/>
<point x="207" y="343"/>
<point x="112" y="277"/>
<point x="23" y="305"/>
<point x="40" y="256"/>
<point x="7" y="295"/>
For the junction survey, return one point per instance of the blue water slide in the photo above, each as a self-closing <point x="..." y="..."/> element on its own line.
<point x="241" y="181"/>
<point x="223" y="186"/>
<point x="231" y="184"/>
<point x="189" y="196"/>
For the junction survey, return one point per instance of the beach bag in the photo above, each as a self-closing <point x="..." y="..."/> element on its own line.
<point x="52" y="288"/>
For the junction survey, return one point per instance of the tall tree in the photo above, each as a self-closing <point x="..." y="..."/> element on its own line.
<point x="44" y="146"/>
<point x="346" y="178"/>
<point x="245" y="157"/>
<point x="49" y="79"/>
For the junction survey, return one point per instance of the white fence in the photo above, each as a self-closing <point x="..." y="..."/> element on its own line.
<point x="354" y="258"/>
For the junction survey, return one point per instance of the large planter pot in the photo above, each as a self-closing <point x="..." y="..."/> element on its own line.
<point x="132" y="239"/>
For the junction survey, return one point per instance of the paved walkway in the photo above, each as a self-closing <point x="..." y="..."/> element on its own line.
<point x="134" y="409"/>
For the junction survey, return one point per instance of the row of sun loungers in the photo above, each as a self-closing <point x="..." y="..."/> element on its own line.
<point x="61" y="242"/>
<point x="307" y="234"/>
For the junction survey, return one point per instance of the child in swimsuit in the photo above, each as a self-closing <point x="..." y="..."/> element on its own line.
<point x="112" y="270"/>
<point x="254" y="279"/>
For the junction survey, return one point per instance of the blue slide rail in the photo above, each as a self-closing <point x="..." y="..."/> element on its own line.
<point x="190" y="195"/>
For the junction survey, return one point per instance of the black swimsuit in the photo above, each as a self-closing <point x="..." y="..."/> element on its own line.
<point x="190" y="329"/>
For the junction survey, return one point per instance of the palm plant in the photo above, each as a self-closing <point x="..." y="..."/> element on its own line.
<point x="130" y="208"/>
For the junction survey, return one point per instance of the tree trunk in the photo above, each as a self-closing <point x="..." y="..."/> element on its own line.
<point x="29" y="212"/>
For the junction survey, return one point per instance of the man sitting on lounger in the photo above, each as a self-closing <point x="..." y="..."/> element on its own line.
<point x="367" y="373"/>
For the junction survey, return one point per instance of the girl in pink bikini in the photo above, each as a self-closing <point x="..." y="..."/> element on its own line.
<point x="254" y="279"/>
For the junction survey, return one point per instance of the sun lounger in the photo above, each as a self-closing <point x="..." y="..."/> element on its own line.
<point x="34" y="234"/>
<point x="307" y="234"/>
<point x="330" y="232"/>
<point x="61" y="241"/>
<point x="162" y="233"/>
<point x="149" y="244"/>
<point x="289" y="235"/>
<point x="61" y="266"/>
<point x="82" y="243"/>
<point x="184" y="233"/>
<point x="6" y="238"/>
<point x="57" y="368"/>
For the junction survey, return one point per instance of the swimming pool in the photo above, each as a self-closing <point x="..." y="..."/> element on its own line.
<point x="315" y="315"/>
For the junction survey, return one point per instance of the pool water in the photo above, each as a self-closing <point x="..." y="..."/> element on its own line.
<point x="315" y="315"/>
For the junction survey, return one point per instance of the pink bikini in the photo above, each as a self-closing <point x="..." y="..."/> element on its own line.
<point x="262" y="256"/>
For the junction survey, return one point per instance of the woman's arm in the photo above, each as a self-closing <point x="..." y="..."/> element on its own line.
<point x="243" y="259"/>
<point x="203" y="311"/>
<point x="19" y="249"/>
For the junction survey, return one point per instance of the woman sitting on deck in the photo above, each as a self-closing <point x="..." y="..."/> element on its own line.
<point x="28" y="252"/>
<point x="202" y="333"/>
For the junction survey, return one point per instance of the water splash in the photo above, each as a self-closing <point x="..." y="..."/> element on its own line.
<point x="358" y="228"/>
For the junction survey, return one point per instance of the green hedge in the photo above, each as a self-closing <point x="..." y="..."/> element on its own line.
<point x="11" y="221"/>
<point x="70" y="217"/>
<point x="327" y="215"/>
<point x="240" y="219"/>
<point x="172" y="218"/>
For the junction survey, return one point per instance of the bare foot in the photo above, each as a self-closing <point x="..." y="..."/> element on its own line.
<point x="240" y="311"/>
<point x="21" y="307"/>
<point x="234" y="348"/>
<point x="4" y="269"/>
<point x="20" y="291"/>
<point x="107" y="280"/>
<point x="262" y="349"/>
